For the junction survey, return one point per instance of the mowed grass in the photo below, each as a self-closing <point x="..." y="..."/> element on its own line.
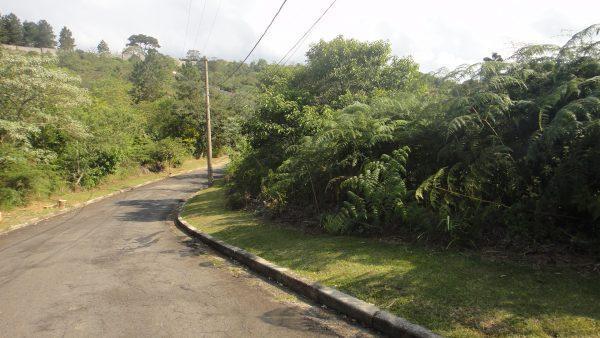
<point x="45" y="206"/>
<point x="452" y="293"/>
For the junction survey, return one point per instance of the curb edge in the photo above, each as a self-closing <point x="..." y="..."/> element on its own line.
<point x="366" y="313"/>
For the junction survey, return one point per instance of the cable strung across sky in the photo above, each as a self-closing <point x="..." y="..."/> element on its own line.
<point x="303" y="37"/>
<point x="255" y="45"/>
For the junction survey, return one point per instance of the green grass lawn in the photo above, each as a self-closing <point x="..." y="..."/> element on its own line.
<point x="45" y="206"/>
<point x="451" y="293"/>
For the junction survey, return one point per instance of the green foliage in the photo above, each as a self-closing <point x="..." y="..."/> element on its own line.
<point x="143" y="41"/>
<point x="503" y="152"/>
<point x="30" y="33"/>
<point x="103" y="48"/>
<point x="375" y="199"/>
<point x="151" y="77"/>
<point x="342" y="71"/>
<point x="164" y="153"/>
<point x="45" y="35"/>
<point x="12" y="30"/>
<point x="65" y="40"/>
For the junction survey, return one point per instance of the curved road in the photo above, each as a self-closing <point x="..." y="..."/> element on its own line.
<point x="119" y="268"/>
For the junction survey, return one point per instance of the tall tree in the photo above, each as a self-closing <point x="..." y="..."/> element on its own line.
<point x="30" y="32"/>
<point x="150" y="77"/>
<point x="2" y="31"/>
<point x="342" y="71"/>
<point x="143" y="41"/>
<point x="193" y="55"/>
<point x="65" y="40"/>
<point x="45" y="37"/>
<point x="13" y="30"/>
<point x="103" y="48"/>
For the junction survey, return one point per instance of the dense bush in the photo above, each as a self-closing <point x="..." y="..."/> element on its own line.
<point x="503" y="152"/>
<point x="162" y="154"/>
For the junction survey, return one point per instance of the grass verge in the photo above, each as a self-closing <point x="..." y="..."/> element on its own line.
<point x="43" y="207"/>
<point x="454" y="294"/>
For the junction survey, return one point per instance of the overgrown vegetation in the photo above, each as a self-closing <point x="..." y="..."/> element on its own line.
<point x="73" y="119"/>
<point x="500" y="153"/>
<point x="455" y="294"/>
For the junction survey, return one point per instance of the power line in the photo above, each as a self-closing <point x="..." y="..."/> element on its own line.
<point x="211" y="28"/>
<point x="255" y="45"/>
<point x="294" y="47"/>
<point x="199" y="24"/>
<point x="187" y="25"/>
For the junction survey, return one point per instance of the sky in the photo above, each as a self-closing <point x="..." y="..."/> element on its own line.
<point x="435" y="33"/>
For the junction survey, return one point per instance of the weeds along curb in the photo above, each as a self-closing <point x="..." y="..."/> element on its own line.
<point x="37" y="220"/>
<point x="366" y="313"/>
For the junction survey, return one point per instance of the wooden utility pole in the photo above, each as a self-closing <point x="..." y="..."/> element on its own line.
<point x="208" y="128"/>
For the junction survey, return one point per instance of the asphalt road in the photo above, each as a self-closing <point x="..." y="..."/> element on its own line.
<point x="120" y="268"/>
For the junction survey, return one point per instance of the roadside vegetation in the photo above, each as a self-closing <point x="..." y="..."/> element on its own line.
<point x="77" y="119"/>
<point x="45" y="206"/>
<point x="453" y="293"/>
<point x="503" y="153"/>
<point x="379" y="179"/>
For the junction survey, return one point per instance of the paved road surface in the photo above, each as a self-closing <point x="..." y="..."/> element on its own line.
<point x="119" y="267"/>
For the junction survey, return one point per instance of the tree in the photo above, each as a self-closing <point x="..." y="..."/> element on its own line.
<point x="495" y="57"/>
<point x="65" y="40"/>
<point x="143" y="41"/>
<point x="134" y="52"/>
<point x="3" y="36"/>
<point x="193" y="55"/>
<point x="103" y="48"/>
<point x="342" y="71"/>
<point x="45" y="37"/>
<point x="30" y="32"/>
<point x="150" y="77"/>
<point x="13" y="30"/>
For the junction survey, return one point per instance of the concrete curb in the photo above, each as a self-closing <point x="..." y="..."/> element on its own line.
<point x="37" y="220"/>
<point x="366" y="313"/>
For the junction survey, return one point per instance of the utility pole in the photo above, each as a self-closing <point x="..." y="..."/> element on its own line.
<point x="208" y="128"/>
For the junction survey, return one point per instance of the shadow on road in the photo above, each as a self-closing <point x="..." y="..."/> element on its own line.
<point x="296" y="319"/>
<point x="147" y="210"/>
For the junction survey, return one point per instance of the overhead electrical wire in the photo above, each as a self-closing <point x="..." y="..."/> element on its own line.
<point x="199" y="24"/>
<point x="303" y="37"/>
<point x="187" y="25"/>
<point x="255" y="45"/>
<point x="211" y="28"/>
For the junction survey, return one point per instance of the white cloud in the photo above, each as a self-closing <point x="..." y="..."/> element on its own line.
<point x="435" y="33"/>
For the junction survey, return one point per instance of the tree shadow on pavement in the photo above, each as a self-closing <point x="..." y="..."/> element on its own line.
<point x="147" y="210"/>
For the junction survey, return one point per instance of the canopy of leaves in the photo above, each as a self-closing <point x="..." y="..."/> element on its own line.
<point x="103" y="48"/>
<point x="144" y="41"/>
<point x="66" y="42"/>
<point x="503" y="152"/>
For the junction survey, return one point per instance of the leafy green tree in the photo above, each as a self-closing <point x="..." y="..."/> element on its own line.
<point x="65" y="40"/>
<point x="103" y="48"/>
<point x="30" y="33"/>
<point x="342" y="71"/>
<point x="193" y="55"/>
<point x="46" y="96"/>
<point x="143" y="41"/>
<point x="151" y="77"/>
<point x="503" y="151"/>
<point x="37" y="105"/>
<point x="3" y="36"/>
<point x="45" y="37"/>
<point x="13" y="30"/>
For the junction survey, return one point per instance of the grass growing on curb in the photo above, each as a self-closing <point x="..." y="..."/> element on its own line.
<point x="42" y="207"/>
<point x="451" y="293"/>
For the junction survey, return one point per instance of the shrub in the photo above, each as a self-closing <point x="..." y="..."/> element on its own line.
<point x="165" y="153"/>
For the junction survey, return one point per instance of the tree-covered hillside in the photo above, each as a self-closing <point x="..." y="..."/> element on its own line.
<point x="71" y="120"/>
